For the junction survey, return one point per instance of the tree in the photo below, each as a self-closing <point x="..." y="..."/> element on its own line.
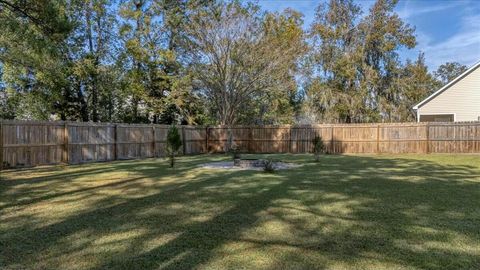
<point x="44" y="18"/>
<point x="383" y="32"/>
<point x="59" y="68"/>
<point x="356" y="63"/>
<point x="414" y="84"/>
<point x="152" y="35"/>
<point x="449" y="71"/>
<point x="64" y="60"/>
<point x="90" y="53"/>
<point x="174" y="142"/>
<point x="208" y="62"/>
<point x="241" y="59"/>
<point x="318" y="147"/>
<point x="139" y="33"/>
<point x="334" y="91"/>
<point x="30" y="56"/>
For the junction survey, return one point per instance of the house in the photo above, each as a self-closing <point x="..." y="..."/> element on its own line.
<point x="459" y="100"/>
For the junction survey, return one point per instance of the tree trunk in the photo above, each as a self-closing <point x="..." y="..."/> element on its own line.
<point x="229" y="144"/>
<point x="172" y="159"/>
<point x="93" y="76"/>
<point x="83" y="103"/>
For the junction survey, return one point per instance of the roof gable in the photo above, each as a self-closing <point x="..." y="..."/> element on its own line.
<point x="448" y="85"/>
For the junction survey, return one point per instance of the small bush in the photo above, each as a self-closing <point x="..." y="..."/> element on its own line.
<point x="318" y="147"/>
<point x="174" y="142"/>
<point x="235" y="151"/>
<point x="6" y="165"/>
<point x="269" y="166"/>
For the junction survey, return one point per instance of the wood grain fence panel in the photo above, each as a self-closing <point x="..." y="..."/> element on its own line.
<point x="195" y="140"/>
<point x="301" y="139"/>
<point x="217" y="139"/>
<point x="134" y="141"/>
<point x="160" y="140"/>
<point x="355" y="139"/>
<point x="31" y="143"/>
<point x="455" y="138"/>
<point x="398" y="138"/>
<point x="268" y="139"/>
<point x="240" y="136"/>
<point x="467" y="138"/>
<point x="325" y="132"/>
<point x="89" y="142"/>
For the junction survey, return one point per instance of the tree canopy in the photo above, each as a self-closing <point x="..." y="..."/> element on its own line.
<point x="209" y="62"/>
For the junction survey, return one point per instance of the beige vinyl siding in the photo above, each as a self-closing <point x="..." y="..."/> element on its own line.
<point x="461" y="99"/>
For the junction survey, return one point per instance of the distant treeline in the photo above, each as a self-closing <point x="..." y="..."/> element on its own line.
<point x="208" y="62"/>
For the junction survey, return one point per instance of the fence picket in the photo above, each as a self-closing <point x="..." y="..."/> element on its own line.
<point x="31" y="143"/>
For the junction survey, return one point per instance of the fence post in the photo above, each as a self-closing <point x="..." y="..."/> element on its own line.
<point x="250" y="138"/>
<point x="154" y="142"/>
<point x="1" y="145"/>
<point x="184" y="144"/>
<point x="290" y="139"/>
<point x="332" y="142"/>
<point x="427" y="146"/>
<point x="378" y="138"/>
<point x="66" y="142"/>
<point x="115" y="148"/>
<point x="206" y="139"/>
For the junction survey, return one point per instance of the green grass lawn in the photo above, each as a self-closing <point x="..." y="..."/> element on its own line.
<point x="362" y="212"/>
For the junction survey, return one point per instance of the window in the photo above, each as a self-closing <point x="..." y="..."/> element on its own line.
<point x="437" y="117"/>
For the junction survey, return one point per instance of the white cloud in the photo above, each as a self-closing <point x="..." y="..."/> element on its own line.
<point x="463" y="46"/>
<point x="412" y="11"/>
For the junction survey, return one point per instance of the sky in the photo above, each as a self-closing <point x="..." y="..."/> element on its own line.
<point x="446" y="30"/>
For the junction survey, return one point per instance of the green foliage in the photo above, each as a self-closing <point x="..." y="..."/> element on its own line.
<point x="67" y="53"/>
<point x="30" y="56"/>
<point x="174" y="142"/>
<point x="208" y="62"/>
<point x="359" y="75"/>
<point x="318" y="147"/>
<point x="238" y="71"/>
<point x="235" y="151"/>
<point x="449" y="71"/>
<point x="412" y="85"/>
<point x="268" y="166"/>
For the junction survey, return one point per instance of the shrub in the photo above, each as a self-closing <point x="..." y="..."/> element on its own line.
<point x="174" y="142"/>
<point x="5" y="164"/>
<point x="235" y="151"/>
<point x="318" y="147"/>
<point x="268" y="166"/>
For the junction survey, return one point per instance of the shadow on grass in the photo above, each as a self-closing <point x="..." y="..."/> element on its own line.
<point x="347" y="211"/>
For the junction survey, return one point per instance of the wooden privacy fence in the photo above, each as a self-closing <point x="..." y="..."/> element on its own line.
<point x="28" y="143"/>
<point x="31" y="143"/>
